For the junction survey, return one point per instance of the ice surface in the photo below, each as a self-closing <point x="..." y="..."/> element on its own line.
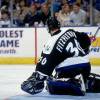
<point x="11" y="76"/>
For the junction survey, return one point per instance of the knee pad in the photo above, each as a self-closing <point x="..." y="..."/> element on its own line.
<point x="69" y="87"/>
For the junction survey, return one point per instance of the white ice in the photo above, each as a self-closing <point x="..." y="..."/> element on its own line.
<point x="11" y="76"/>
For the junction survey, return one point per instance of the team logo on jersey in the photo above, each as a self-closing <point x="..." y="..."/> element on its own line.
<point x="47" y="49"/>
<point x="49" y="46"/>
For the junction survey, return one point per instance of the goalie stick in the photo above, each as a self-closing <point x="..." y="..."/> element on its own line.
<point x="95" y="75"/>
<point x="93" y="38"/>
<point x="97" y="31"/>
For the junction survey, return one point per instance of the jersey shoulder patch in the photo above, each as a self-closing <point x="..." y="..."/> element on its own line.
<point x="48" y="47"/>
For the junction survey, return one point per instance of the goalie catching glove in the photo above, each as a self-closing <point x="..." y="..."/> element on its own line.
<point x="34" y="84"/>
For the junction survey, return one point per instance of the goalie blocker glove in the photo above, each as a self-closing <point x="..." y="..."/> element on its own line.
<point x="34" y="84"/>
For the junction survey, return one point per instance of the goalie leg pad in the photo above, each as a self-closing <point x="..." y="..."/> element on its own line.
<point x="70" y="87"/>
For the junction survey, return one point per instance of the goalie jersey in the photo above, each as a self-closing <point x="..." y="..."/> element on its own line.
<point x="61" y="46"/>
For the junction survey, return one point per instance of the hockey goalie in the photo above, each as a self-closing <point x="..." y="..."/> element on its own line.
<point x="66" y="53"/>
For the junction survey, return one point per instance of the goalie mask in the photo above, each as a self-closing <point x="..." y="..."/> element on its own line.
<point x="52" y="24"/>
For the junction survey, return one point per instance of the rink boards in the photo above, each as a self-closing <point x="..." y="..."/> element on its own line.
<point x="24" y="45"/>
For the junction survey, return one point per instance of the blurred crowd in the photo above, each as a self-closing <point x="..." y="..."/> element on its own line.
<point x="34" y="13"/>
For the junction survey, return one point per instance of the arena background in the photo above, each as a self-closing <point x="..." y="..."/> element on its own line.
<point x="22" y="44"/>
<point x="30" y="41"/>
